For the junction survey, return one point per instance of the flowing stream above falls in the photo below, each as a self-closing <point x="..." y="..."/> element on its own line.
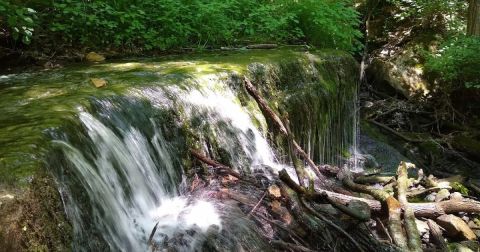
<point x="120" y="153"/>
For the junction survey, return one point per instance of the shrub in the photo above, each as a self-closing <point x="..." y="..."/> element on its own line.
<point x="20" y="21"/>
<point x="169" y="24"/>
<point x="457" y="62"/>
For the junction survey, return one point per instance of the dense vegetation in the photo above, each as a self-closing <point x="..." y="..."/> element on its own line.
<point x="171" y="24"/>
<point x="436" y="31"/>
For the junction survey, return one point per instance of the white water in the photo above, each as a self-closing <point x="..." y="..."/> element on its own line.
<point x="129" y="192"/>
<point x="232" y="124"/>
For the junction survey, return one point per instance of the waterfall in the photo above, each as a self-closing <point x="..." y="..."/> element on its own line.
<point x="121" y="175"/>
<point x="121" y="166"/>
<point x="129" y="180"/>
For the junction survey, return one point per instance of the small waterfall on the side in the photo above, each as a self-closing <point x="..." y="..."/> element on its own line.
<point x="124" y="176"/>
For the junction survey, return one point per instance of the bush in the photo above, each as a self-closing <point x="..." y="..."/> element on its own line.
<point x="450" y="13"/>
<point x="457" y="62"/>
<point x="17" y="21"/>
<point x="169" y="24"/>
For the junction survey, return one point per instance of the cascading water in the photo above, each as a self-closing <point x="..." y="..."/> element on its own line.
<point x="131" y="179"/>
<point x="131" y="175"/>
<point x="120" y="159"/>
<point x="217" y="116"/>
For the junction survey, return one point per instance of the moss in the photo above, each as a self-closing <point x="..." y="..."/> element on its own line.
<point x="460" y="188"/>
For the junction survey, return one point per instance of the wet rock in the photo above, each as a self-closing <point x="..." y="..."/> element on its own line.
<point x="455" y="226"/>
<point x="98" y="82"/>
<point x="94" y="57"/>
<point x="431" y="197"/>
<point x="441" y="195"/>
<point x="456" y="196"/>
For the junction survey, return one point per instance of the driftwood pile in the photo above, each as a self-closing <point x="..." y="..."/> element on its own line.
<point x="381" y="212"/>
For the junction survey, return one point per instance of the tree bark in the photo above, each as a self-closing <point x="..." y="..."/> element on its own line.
<point x="473" y="22"/>
<point x="435" y="209"/>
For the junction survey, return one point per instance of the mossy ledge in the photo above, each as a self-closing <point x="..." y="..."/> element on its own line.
<point x="324" y="81"/>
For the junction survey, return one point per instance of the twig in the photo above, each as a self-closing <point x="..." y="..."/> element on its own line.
<point x="256" y="205"/>
<point x="214" y="163"/>
<point x="335" y="226"/>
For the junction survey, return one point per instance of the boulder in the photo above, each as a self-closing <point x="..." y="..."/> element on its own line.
<point x="455" y="227"/>
<point x="94" y="57"/>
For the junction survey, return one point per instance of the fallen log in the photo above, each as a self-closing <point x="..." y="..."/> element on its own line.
<point x="419" y="192"/>
<point x="297" y="164"/>
<point x="338" y="200"/>
<point x="413" y="235"/>
<point x="428" y="210"/>
<point x="373" y="179"/>
<point x="393" y="208"/>
<point x="435" y="209"/>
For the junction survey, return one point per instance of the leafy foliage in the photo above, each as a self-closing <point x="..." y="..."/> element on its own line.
<point x="457" y="62"/>
<point x="170" y="24"/>
<point x="450" y="12"/>
<point x="20" y="21"/>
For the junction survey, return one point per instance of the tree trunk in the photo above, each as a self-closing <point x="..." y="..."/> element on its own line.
<point x="473" y="23"/>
